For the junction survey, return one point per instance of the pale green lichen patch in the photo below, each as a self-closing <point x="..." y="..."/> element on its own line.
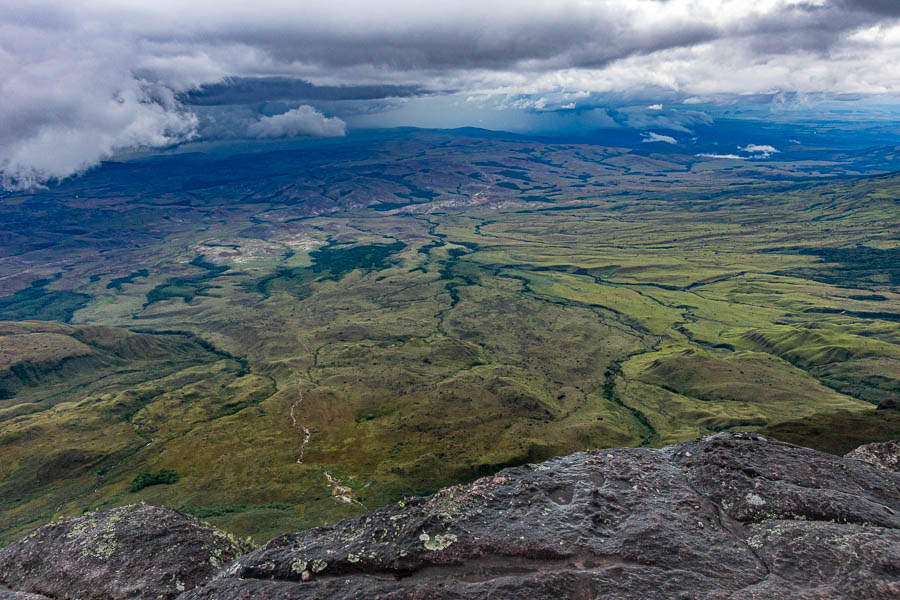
<point x="97" y="539"/>
<point x="440" y="542"/>
<point x="298" y="566"/>
<point x="81" y="528"/>
<point x="318" y="566"/>
<point x="349" y="533"/>
<point x="102" y="549"/>
<point x="352" y="558"/>
<point x="242" y="545"/>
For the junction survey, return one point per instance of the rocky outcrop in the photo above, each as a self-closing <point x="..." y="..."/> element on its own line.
<point x="884" y="455"/>
<point x="137" y="551"/>
<point x="730" y="516"/>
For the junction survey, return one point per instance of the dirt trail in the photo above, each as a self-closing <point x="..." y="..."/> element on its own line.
<point x="342" y="493"/>
<point x="300" y="426"/>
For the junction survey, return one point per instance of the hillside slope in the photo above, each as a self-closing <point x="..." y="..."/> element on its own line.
<point x="403" y="319"/>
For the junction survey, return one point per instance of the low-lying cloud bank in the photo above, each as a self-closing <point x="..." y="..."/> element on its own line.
<point x="752" y="151"/>
<point x="658" y="137"/>
<point x="722" y="156"/>
<point x="304" y="120"/>
<point x="82" y="81"/>
<point x="759" y="150"/>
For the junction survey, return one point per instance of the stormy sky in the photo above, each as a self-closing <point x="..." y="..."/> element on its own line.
<point x="83" y="81"/>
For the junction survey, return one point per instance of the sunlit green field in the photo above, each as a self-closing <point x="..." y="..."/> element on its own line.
<point x="426" y="343"/>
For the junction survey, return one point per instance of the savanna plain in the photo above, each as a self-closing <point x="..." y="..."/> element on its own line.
<point x="278" y="339"/>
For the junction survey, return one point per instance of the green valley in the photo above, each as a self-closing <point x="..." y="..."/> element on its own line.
<point x="293" y="348"/>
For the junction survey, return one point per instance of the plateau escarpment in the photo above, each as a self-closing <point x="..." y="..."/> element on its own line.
<point x="725" y="516"/>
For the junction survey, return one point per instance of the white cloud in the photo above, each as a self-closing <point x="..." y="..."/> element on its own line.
<point x="755" y="151"/>
<point x="80" y="81"/>
<point x="303" y="120"/>
<point x="655" y="107"/>
<point x="656" y="137"/>
<point x="67" y="103"/>
<point x="759" y="150"/>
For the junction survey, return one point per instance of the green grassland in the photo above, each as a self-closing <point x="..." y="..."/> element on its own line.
<point x="427" y="325"/>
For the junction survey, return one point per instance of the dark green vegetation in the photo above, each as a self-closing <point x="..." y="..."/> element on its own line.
<point x="337" y="262"/>
<point x="859" y="265"/>
<point x="838" y="432"/>
<point x="117" y="282"/>
<point x="186" y="288"/>
<point x="329" y="262"/>
<point x="646" y="299"/>
<point x="146" y="479"/>
<point x="37" y="302"/>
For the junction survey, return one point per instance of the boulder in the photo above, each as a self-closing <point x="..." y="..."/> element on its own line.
<point x="727" y="516"/>
<point x="137" y="551"/>
<point x="883" y="455"/>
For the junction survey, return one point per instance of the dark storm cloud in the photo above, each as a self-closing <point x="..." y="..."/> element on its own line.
<point x="559" y="40"/>
<point x="82" y="81"/>
<point x="244" y="90"/>
<point x="528" y="35"/>
<point x="889" y="8"/>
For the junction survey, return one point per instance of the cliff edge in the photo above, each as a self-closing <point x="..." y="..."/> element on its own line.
<point x="728" y="516"/>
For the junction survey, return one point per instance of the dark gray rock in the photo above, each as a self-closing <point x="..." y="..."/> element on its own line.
<point x="727" y="516"/>
<point x="754" y="478"/>
<point x="137" y="551"/>
<point x="730" y="516"/>
<point x="825" y="560"/>
<point x="7" y="594"/>
<point x="884" y="455"/>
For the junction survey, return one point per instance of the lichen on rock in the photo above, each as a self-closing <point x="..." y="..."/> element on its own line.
<point x="726" y="516"/>
<point x="136" y="551"/>
<point x="883" y="455"/>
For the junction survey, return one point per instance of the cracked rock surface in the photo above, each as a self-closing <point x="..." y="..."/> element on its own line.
<point x="729" y="516"/>
<point x="137" y="551"/>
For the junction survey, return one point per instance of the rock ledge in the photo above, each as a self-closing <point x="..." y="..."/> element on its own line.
<point x="729" y="516"/>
